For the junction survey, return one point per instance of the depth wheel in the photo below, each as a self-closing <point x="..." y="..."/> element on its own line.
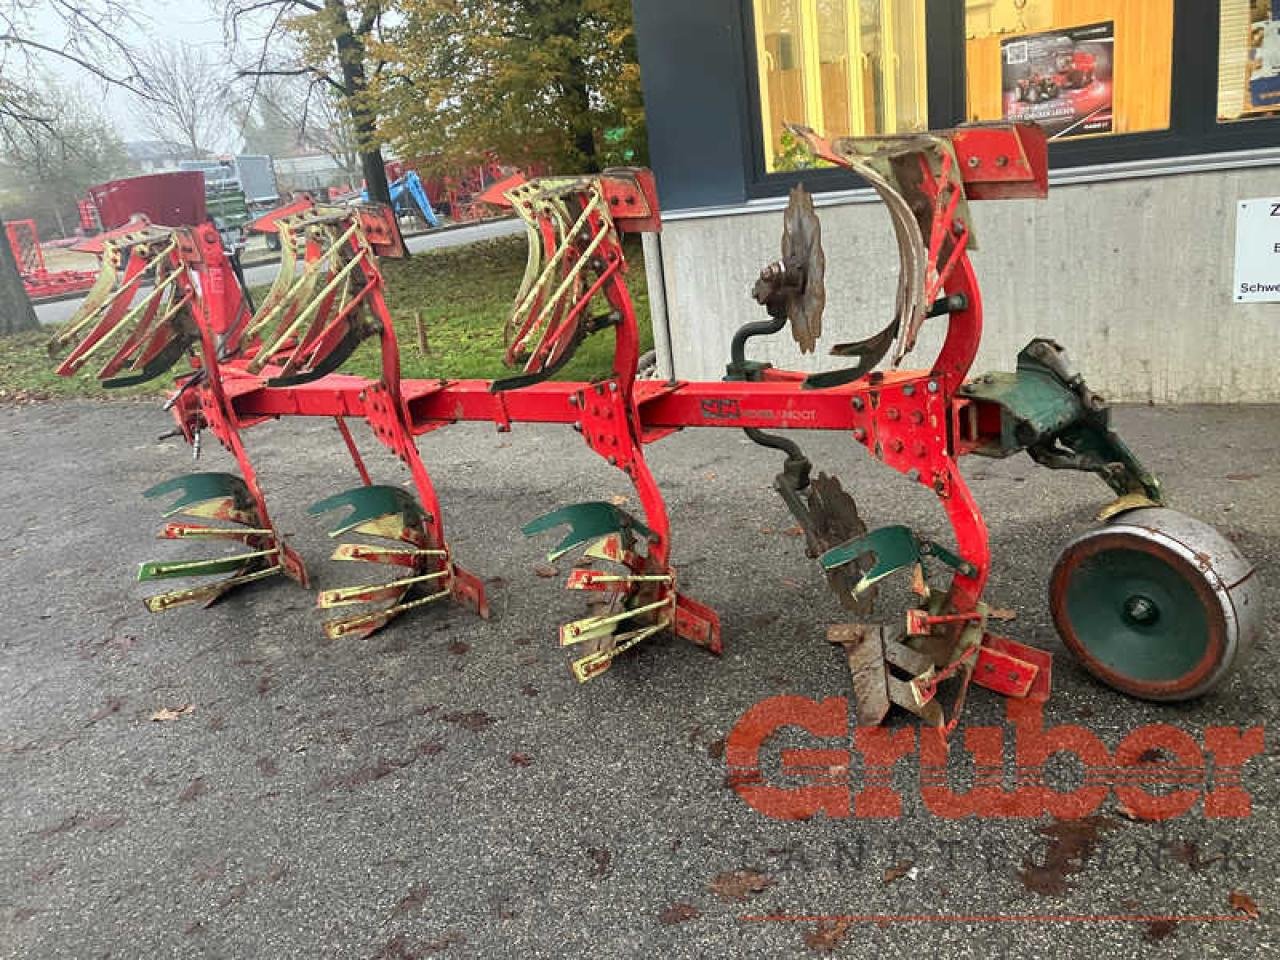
<point x="1155" y="604"/>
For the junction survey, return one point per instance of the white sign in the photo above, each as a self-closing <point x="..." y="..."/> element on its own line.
<point x="1258" y="251"/>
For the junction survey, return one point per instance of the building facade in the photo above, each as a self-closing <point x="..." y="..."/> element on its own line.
<point x="1164" y="118"/>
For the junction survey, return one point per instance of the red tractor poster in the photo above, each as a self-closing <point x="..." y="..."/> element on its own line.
<point x="1061" y="79"/>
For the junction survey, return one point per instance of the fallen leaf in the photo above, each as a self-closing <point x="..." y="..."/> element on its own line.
<point x="194" y="789"/>
<point x="736" y="884"/>
<point x="1243" y="903"/>
<point x="112" y="706"/>
<point x="1124" y="810"/>
<point x="792" y="583"/>
<point x="1002" y="613"/>
<point x="1071" y="843"/>
<point x="715" y="749"/>
<point x="44" y="873"/>
<point x="459" y="647"/>
<point x="165" y="714"/>
<point x="1158" y="930"/>
<point x="679" y="913"/>
<point x="826" y="936"/>
<point x="899" y="870"/>
<point x="412" y="900"/>
<point x="1188" y="852"/>
<point x="618" y="499"/>
<point x="473" y="720"/>
<point x="1243" y="476"/>
<point x="451" y="938"/>
<point x="600" y="859"/>
<point x="545" y="570"/>
<point x="796" y="531"/>
<point x="521" y="760"/>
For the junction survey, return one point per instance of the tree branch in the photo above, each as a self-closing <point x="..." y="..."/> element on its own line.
<point x="296" y="72"/>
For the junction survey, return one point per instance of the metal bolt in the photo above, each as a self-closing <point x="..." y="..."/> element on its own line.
<point x="859" y="434"/>
<point x="933" y="386"/>
<point x="613" y="386"/>
<point x="577" y="425"/>
<point x="857" y="403"/>
<point x="917" y="417"/>
<point x="613" y="461"/>
<point x="974" y="161"/>
<point x="909" y="390"/>
<point x="573" y="399"/>
<point x="914" y="476"/>
<point x="1141" y="610"/>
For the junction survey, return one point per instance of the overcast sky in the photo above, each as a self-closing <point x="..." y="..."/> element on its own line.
<point x="158" y="21"/>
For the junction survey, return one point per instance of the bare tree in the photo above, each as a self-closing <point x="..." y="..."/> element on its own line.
<point x="82" y="33"/>
<point x="186" y="97"/>
<point x="298" y="113"/>
<point x="327" y="43"/>
<point x="45" y="169"/>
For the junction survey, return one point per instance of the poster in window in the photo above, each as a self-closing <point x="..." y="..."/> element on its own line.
<point x="1264" y="59"/>
<point x="1061" y="79"/>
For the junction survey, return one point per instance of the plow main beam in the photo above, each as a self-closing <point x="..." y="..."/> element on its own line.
<point x="663" y="407"/>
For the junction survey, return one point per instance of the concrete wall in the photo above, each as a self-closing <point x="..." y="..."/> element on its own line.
<point x="1133" y="277"/>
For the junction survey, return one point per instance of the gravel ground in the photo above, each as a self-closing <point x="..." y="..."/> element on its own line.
<point x="446" y="788"/>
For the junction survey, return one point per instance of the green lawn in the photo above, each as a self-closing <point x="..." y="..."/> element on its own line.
<point x="464" y="295"/>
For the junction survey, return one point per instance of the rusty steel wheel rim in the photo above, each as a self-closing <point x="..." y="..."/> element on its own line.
<point x="1140" y="616"/>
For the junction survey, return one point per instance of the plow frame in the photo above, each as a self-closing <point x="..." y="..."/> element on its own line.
<point x="919" y="422"/>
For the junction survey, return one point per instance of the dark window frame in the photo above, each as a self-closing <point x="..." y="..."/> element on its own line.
<point x="1193" y="117"/>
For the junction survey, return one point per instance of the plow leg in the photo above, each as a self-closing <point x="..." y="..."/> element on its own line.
<point x="390" y="513"/>
<point x="641" y="600"/>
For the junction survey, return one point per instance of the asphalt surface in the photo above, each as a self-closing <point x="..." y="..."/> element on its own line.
<point x="60" y="311"/>
<point x="446" y="788"/>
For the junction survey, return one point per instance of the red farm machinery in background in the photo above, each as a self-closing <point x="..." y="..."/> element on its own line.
<point x="40" y="282"/>
<point x="176" y="199"/>
<point x="1152" y="602"/>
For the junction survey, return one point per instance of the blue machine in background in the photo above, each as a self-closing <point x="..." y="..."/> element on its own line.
<point x="409" y="196"/>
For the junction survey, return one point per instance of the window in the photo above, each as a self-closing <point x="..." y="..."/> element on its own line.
<point x="843" y="67"/>
<point x="1112" y="81"/>
<point x="1080" y="68"/>
<point x="1248" y="59"/>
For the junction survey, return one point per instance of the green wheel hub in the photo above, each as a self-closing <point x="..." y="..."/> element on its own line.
<point x="1138" y="615"/>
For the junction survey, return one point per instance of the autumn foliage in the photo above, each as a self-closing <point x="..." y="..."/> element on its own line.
<point x="550" y="81"/>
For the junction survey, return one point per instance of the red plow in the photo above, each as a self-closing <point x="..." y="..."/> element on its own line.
<point x="1154" y="603"/>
